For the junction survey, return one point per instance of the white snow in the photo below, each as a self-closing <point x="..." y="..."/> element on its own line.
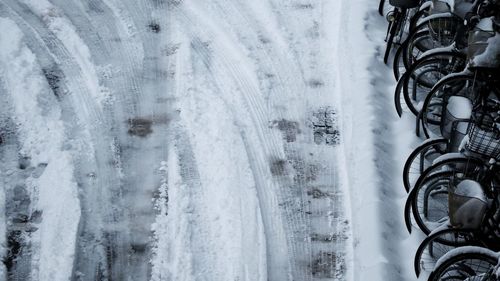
<point x="42" y="139"/>
<point x="172" y="258"/>
<point x="459" y="107"/>
<point x="434" y="16"/>
<point x="426" y="5"/>
<point x="3" y="221"/>
<point x="485" y="24"/>
<point x="441" y="6"/>
<point x="359" y="116"/>
<point x="470" y="188"/>
<point x="432" y="51"/>
<point x="448" y="156"/>
<point x="491" y="56"/>
<point x="66" y="32"/>
<point x="215" y="205"/>
<point x="237" y="67"/>
<point x="462" y="7"/>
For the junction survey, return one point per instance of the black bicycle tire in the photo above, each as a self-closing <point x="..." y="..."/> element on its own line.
<point x="423" y="62"/>
<point x="414" y="19"/>
<point x="381" y="7"/>
<point x="433" y="183"/>
<point x="397" y="97"/>
<point x="408" y="213"/>
<point x="428" y="172"/>
<point x="419" y="31"/>
<point x="412" y="36"/>
<point x="436" y="273"/>
<point x="398" y="57"/>
<point x="413" y="156"/>
<point x="406" y="93"/>
<point x="430" y="95"/>
<point x="389" y="43"/>
<point x="435" y="238"/>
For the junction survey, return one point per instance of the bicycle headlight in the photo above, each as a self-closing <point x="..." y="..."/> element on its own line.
<point x="390" y="17"/>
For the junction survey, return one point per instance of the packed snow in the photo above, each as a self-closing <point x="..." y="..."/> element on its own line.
<point x="199" y="140"/>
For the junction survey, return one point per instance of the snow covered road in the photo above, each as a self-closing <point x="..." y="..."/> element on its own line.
<point x="181" y="140"/>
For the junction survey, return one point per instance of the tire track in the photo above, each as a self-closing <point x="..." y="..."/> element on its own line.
<point x="297" y="222"/>
<point x="16" y="261"/>
<point x="256" y="82"/>
<point x="76" y="96"/>
<point x="277" y="260"/>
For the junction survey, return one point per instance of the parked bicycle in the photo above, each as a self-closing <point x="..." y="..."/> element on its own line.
<point x="447" y="64"/>
<point x="398" y="18"/>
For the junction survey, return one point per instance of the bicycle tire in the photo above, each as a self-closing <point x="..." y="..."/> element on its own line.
<point x="425" y="73"/>
<point x="439" y="243"/>
<point x="478" y="262"/>
<point x="408" y="213"/>
<point x="381" y="7"/>
<point x="398" y="97"/>
<point x="417" y="16"/>
<point x="390" y="40"/>
<point x="412" y="48"/>
<point x="412" y="206"/>
<point x="398" y="64"/>
<point x="424" y="39"/>
<point x="416" y="158"/>
<point x="426" y="212"/>
<point x="453" y="84"/>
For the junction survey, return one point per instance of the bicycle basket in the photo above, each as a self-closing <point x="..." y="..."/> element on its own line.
<point x="408" y="4"/>
<point x="467" y="204"/>
<point x="484" y="137"/>
<point x="481" y="51"/>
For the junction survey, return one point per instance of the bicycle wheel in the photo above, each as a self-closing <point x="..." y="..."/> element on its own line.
<point x="428" y="200"/>
<point x="420" y="159"/>
<point x="431" y="201"/>
<point x="398" y="65"/>
<point x="381" y="7"/>
<point x="416" y="44"/>
<point x="399" y="103"/>
<point x="465" y="263"/>
<point x="454" y="84"/>
<point x="432" y="32"/>
<point x="425" y="73"/>
<point x="439" y="243"/>
<point x="420" y="14"/>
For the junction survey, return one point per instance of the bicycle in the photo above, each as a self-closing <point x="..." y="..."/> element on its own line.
<point x="416" y="83"/>
<point x="440" y="28"/>
<point x="428" y="201"/>
<point x="397" y="20"/>
<point x="474" y="218"/>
